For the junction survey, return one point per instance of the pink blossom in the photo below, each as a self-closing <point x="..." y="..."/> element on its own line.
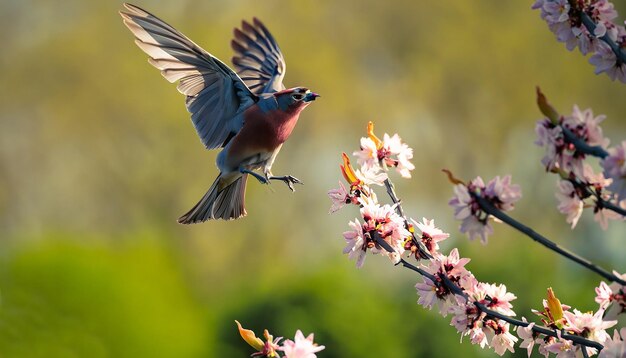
<point x="603" y="295"/>
<point x="427" y="292"/>
<point x="453" y="265"/>
<point x="385" y="222"/>
<point x="367" y="156"/>
<point x="371" y="177"/>
<point x="503" y="340"/>
<point x="389" y="225"/>
<point x="556" y="11"/>
<point x="543" y="343"/>
<point x="615" y="347"/>
<point x="378" y="155"/>
<point x="470" y="321"/>
<point x="572" y="193"/>
<point x="602" y="216"/>
<point x="403" y="153"/>
<point x="614" y="166"/>
<point x="475" y="228"/>
<point x="550" y="136"/>
<point x="587" y="126"/>
<point x="502" y="193"/>
<point x="562" y="348"/>
<point x="499" y="299"/>
<point x="561" y="154"/>
<point x="598" y="183"/>
<point x="528" y="336"/>
<point x="431" y="293"/>
<point x="603" y="11"/>
<point x="430" y="234"/>
<point x="612" y="298"/>
<point x="357" y="191"/>
<point x="302" y="347"/>
<point x="339" y="197"/>
<point x="356" y="244"/>
<point x="475" y="222"/>
<point x="569" y="202"/>
<point x="605" y="61"/>
<point x="591" y="325"/>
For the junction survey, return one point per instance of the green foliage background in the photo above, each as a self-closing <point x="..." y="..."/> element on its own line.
<point x="98" y="158"/>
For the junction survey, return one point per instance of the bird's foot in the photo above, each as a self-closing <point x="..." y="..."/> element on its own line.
<point x="262" y="179"/>
<point x="288" y="179"/>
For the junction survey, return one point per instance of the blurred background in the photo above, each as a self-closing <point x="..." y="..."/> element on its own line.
<point x="98" y="158"/>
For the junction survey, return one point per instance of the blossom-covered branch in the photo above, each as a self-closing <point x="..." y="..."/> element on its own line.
<point x="422" y="251"/>
<point x="588" y="25"/>
<point x="480" y="310"/>
<point x="568" y="141"/>
<point x="443" y="282"/>
<point x="490" y="209"/>
<point x="596" y="28"/>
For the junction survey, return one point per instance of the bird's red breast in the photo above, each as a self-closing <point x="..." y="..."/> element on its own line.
<point x="263" y="132"/>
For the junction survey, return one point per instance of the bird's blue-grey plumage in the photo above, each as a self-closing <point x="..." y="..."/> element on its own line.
<point x="216" y="96"/>
<point x="258" y="59"/>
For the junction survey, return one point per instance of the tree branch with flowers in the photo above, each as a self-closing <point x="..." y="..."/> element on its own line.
<point x="481" y="311"/>
<point x="588" y="25"/>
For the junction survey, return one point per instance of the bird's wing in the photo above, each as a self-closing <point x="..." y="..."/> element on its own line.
<point x="258" y="59"/>
<point x="215" y="94"/>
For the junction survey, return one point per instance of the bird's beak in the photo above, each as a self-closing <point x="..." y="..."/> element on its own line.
<point x="310" y="96"/>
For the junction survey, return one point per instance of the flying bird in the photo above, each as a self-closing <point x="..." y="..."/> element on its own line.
<point x="248" y="113"/>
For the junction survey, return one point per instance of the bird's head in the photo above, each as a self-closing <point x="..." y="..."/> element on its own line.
<point x="295" y="98"/>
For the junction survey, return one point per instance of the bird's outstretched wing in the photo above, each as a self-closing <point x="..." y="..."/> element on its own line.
<point x="258" y="59"/>
<point x="215" y="94"/>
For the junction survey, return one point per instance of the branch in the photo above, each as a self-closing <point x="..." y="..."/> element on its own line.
<point x="584" y="351"/>
<point x="408" y="265"/>
<point x="591" y="26"/>
<point x="423" y="251"/>
<point x="539" y="329"/>
<point x="610" y="206"/>
<point x="454" y="288"/>
<point x="583" y="147"/>
<point x="492" y="210"/>
<point x="600" y="202"/>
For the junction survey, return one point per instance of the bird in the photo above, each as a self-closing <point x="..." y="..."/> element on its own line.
<point x="248" y="113"/>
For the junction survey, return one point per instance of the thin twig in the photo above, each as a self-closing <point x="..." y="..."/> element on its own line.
<point x="610" y="206"/>
<point x="422" y="250"/>
<point x="492" y="210"/>
<point x="408" y="265"/>
<point x="600" y="202"/>
<point x="581" y="146"/>
<point x="591" y="26"/>
<point x="584" y="351"/>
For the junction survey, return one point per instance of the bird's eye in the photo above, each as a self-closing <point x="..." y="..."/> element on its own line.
<point x="297" y="96"/>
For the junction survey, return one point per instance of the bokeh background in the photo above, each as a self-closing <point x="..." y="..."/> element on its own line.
<point x="98" y="158"/>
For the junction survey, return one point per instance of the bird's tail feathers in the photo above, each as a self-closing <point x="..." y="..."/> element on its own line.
<point x="223" y="200"/>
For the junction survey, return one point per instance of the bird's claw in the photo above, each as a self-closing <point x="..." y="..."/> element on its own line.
<point x="290" y="180"/>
